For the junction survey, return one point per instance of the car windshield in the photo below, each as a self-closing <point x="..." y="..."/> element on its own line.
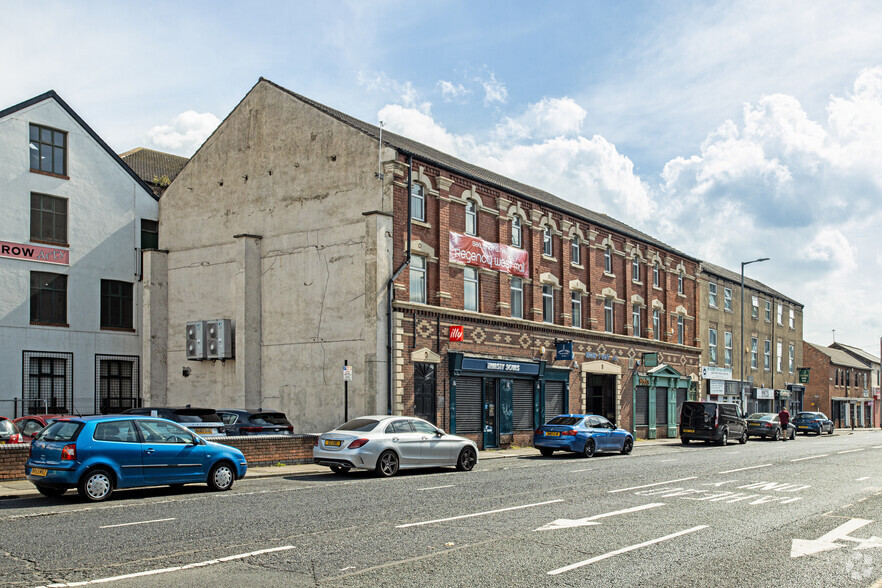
<point x="7" y="428"/>
<point x="270" y="419"/>
<point x="359" y="425"/>
<point x="567" y="421"/>
<point x="806" y="415"/>
<point x="761" y="416"/>
<point x="62" y="431"/>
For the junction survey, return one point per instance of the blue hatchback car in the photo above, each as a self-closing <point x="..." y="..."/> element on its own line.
<point x="585" y="434"/>
<point x="99" y="454"/>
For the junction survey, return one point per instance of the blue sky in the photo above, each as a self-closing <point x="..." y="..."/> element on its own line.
<point x="730" y="130"/>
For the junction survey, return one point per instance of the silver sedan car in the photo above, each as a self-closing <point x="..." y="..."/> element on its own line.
<point x="389" y="443"/>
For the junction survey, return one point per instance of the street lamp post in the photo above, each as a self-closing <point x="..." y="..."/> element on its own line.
<point x="741" y="381"/>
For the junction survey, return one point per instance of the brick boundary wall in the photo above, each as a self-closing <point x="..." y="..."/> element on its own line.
<point x="259" y="450"/>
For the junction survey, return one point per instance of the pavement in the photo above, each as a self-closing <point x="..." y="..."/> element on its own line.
<point x="24" y="489"/>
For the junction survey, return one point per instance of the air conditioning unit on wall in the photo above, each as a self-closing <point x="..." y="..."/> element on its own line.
<point x="195" y="342"/>
<point x="219" y="339"/>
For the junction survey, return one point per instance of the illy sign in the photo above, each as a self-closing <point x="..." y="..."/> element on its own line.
<point x="456" y="332"/>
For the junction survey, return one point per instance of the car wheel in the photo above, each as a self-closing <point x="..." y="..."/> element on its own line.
<point x="51" y="491"/>
<point x="221" y="476"/>
<point x="546" y="452"/>
<point x="724" y="438"/>
<point x="743" y="439"/>
<point x="96" y="485"/>
<point x="338" y="469"/>
<point x="777" y="435"/>
<point x="684" y="441"/>
<point x="793" y="435"/>
<point x="831" y="430"/>
<point x="628" y="446"/>
<point x="588" y="450"/>
<point x="387" y="464"/>
<point x="467" y="459"/>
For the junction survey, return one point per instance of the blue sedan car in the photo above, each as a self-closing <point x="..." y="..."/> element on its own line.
<point x="816" y="422"/>
<point x="99" y="454"/>
<point x="585" y="434"/>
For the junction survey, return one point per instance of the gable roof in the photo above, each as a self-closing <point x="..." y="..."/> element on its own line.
<point x="452" y="164"/>
<point x="735" y="277"/>
<point x="857" y="352"/>
<point x="151" y="165"/>
<point x="51" y="95"/>
<point x="839" y="357"/>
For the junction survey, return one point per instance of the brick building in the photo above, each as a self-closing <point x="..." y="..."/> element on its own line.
<point x="326" y="239"/>
<point x="839" y="385"/>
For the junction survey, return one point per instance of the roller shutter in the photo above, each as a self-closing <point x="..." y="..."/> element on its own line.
<point x="661" y="406"/>
<point x="554" y="399"/>
<point x="641" y="405"/>
<point x="681" y="398"/>
<point x="523" y="405"/>
<point x="468" y="405"/>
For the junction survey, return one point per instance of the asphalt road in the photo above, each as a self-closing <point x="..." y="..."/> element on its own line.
<point x="806" y="512"/>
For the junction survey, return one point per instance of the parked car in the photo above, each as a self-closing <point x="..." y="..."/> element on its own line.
<point x="32" y="424"/>
<point x="99" y="454"/>
<point x="9" y="432"/>
<point x="255" y="422"/>
<point x="387" y="444"/>
<point x="585" y="434"/>
<point x="202" y="421"/>
<point x="768" y="425"/>
<point x="712" y="421"/>
<point x="816" y="422"/>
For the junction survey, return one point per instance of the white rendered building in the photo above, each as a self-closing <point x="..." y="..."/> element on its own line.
<point x="74" y="221"/>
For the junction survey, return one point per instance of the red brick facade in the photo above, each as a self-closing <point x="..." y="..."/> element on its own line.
<point x="492" y="332"/>
<point x="831" y="383"/>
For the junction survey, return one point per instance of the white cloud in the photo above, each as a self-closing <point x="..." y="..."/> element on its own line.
<point x="185" y="134"/>
<point x="550" y="117"/>
<point x="494" y="90"/>
<point x="404" y="92"/>
<point x="452" y="91"/>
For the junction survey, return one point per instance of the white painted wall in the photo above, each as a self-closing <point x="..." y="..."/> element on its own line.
<point x="105" y="209"/>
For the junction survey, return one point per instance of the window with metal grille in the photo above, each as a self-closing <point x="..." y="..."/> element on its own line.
<point x="48" y="219"/>
<point x="48" y="149"/>
<point x="116" y="304"/>
<point x="47" y="382"/>
<point x="117" y="383"/>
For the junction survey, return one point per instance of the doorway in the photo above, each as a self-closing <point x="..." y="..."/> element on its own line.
<point x="601" y="396"/>
<point x="425" y="391"/>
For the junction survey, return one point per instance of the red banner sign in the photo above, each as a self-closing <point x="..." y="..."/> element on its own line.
<point x="480" y="253"/>
<point x="34" y="253"/>
<point x="456" y="333"/>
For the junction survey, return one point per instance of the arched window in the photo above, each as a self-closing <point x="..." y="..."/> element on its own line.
<point x="656" y="276"/>
<point x="635" y="269"/>
<point x="417" y="202"/>
<point x="607" y="259"/>
<point x="546" y="242"/>
<point x="471" y="227"/>
<point x="516" y="239"/>
<point x="577" y="254"/>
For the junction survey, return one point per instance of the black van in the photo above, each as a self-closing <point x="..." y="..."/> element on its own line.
<point x="712" y="421"/>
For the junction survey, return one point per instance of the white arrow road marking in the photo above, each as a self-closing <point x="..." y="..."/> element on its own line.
<point x="477" y="514"/>
<point x="567" y="523"/>
<point x="651" y="485"/>
<point x="625" y="550"/>
<point x="827" y="541"/>
<point x="200" y="564"/>
<point x="871" y="543"/>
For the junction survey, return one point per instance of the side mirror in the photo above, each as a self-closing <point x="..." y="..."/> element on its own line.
<point x="439" y="432"/>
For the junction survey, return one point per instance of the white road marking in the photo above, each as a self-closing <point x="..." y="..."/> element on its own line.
<point x="862" y="479"/>
<point x="200" y="564"/>
<point x="138" y="523"/>
<point x="625" y="550"/>
<point x="667" y="460"/>
<point x="437" y="487"/>
<point x="567" y="523"/>
<point x="827" y="541"/>
<point x="651" y="485"/>
<point x="811" y="457"/>
<point x="577" y="471"/>
<point x="850" y="451"/>
<point x="478" y="514"/>
<point x="765" y="465"/>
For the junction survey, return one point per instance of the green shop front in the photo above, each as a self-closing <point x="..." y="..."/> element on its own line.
<point x="658" y="394"/>
<point x="498" y="402"/>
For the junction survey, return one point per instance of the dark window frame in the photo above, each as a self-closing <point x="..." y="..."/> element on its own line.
<point x="117" y="305"/>
<point x="52" y="292"/>
<point x="40" y="144"/>
<point x="43" y="215"/>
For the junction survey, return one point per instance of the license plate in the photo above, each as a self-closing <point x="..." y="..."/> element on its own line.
<point x="332" y="443"/>
<point x="38" y="471"/>
<point x="688" y="430"/>
<point x="803" y="427"/>
<point x="2" y="442"/>
<point x="204" y="431"/>
<point x="552" y="434"/>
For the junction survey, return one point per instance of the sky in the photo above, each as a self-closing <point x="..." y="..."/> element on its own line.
<point x="730" y="130"/>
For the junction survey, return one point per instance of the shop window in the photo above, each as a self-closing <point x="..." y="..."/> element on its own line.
<point x="517" y="298"/>
<point x="471" y="217"/>
<point x="418" y="279"/>
<point x="608" y="315"/>
<point x="547" y="304"/>
<point x="577" y="309"/>
<point x="48" y="219"/>
<point x="48" y="298"/>
<point x="470" y="289"/>
<point x="48" y="149"/>
<point x="116" y="304"/>
<point x="417" y="202"/>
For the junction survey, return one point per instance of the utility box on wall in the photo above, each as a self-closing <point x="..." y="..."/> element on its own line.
<point x="195" y="343"/>
<point x="219" y="339"/>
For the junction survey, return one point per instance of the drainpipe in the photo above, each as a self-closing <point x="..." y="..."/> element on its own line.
<point x="389" y="287"/>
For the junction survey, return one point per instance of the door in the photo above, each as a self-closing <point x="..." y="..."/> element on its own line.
<point x="435" y="450"/>
<point x="661" y="407"/>
<point x="599" y="432"/>
<point x="424" y="391"/>
<point x="119" y="442"/>
<point x="491" y="431"/>
<point x="170" y="454"/>
<point x="406" y="441"/>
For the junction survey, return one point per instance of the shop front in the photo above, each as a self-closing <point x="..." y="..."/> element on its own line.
<point x="657" y="397"/>
<point x="498" y="402"/>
